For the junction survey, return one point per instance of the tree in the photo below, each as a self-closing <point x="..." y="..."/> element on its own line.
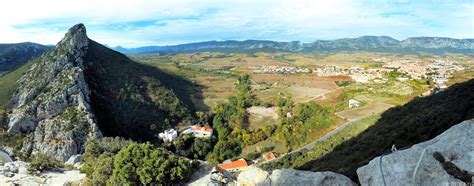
<point x="148" y="165"/>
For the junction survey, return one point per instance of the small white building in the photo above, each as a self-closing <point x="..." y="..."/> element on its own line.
<point x="168" y="135"/>
<point x="354" y="103"/>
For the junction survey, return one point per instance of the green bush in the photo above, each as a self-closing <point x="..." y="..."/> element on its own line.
<point x="144" y="164"/>
<point x="41" y="162"/>
<point x="99" y="157"/>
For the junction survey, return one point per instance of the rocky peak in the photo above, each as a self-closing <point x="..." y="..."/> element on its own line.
<point x="75" y="39"/>
<point x="52" y="104"/>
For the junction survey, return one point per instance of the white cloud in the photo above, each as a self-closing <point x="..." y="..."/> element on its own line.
<point x="150" y="22"/>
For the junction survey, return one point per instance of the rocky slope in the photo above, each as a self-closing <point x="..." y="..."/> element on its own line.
<point x="52" y="101"/>
<point x="16" y="173"/>
<point x="13" y="56"/>
<point x="81" y="90"/>
<point x="446" y="159"/>
<point x="435" y="45"/>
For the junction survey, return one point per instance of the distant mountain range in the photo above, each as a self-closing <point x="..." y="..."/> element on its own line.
<point x="15" y="55"/>
<point x="433" y="45"/>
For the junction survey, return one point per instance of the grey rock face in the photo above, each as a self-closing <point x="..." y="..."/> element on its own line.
<point x="297" y="177"/>
<point x="74" y="159"/>
<point x="456" y="145"/>
<point x="52" y="101"/>
<point x="253" y="175"/>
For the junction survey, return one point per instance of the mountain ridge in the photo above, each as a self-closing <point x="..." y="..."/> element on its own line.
<point x="435" y="45"/>
<point x="14" y="55"/>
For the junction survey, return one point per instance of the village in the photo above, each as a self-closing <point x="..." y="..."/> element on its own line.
<point x="438" y="70"/>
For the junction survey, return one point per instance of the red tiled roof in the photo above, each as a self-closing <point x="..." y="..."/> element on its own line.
<point x="198" y="128"/>
<point x="234" y="164"/>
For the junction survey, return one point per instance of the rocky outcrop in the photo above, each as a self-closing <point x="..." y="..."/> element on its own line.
<point x="253" y="175"/>
<point x="446" y="159"/>
<point x="52" y="101"/>
<point x="16" y="173"/>
<point x="298" y="177"/>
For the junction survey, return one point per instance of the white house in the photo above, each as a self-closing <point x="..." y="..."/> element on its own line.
<point x="168" y="135"/>
<point x="354" y="103"/>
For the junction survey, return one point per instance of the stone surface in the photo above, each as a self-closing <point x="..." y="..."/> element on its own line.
<point x="201" y="175"/>
<point x="74" y="159"/>
<point x="52" y="102"/>
<point x="253" y="175"/>
<point x="456" y="145"/>
<point x="297" y="177"/>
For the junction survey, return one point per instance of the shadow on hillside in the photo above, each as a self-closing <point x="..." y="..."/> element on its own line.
<point x="134" y="100"/>
<point x="419" y="120"/>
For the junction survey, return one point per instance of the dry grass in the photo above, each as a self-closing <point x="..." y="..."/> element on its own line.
<point x="260" y="116"/>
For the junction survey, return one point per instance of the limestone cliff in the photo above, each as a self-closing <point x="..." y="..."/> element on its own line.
<point x="448" y="159"/>
<point x="52" y="101"/>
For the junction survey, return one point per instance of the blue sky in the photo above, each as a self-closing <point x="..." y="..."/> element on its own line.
<point x="158" y="22"/>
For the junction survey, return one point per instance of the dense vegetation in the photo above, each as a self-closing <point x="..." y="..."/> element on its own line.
<point x="117" y="161"/>
<point x="145" y="164"/>
<point x="191" y="147"/>
<point x="133" y="100"/>
<point x="402" y="126"/>
<point x="230" y="122"/>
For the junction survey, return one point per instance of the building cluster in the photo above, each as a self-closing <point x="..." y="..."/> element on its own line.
<point x="198" y="131"/>
<point x="438" y="70"/>
<point x="281" y="69"/>
<point x="358" y="74"/>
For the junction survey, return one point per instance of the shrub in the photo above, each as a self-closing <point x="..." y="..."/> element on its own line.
<point x="41" y="162"/>
<point x="148" y="165"/>
<point x="98" y="158"/>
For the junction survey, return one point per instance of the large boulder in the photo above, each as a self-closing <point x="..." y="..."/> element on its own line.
<point x="253" y="175"/>
<point x="446" y="159"/>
